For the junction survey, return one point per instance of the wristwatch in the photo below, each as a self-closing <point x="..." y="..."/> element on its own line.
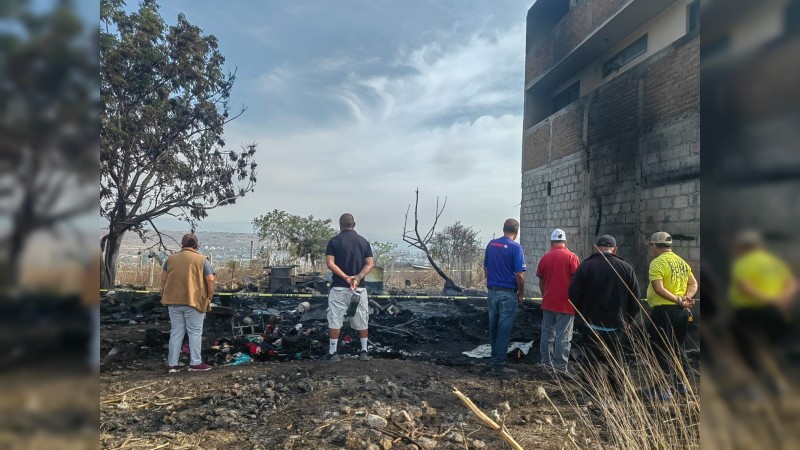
<point x="680" y="301"/>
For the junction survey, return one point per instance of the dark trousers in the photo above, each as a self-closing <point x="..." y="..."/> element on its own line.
<point x="605" y="348"/>
<point x="756" y="329"/>
<point x="668" y="334"/>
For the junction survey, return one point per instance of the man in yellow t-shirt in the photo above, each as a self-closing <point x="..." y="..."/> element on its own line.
<point x="759" y="279"/>
<point x="761" y="293"/>
<point x="670" y="295"/>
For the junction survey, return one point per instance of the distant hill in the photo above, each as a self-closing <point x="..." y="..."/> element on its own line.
<point x="223" y="246"/>
<point x="170" y="223"/>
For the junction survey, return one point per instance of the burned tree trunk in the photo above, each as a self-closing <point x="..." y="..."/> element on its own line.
<point x="414" y="239"/>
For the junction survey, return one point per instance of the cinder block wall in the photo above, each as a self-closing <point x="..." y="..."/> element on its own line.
<point x="623" y="160"/>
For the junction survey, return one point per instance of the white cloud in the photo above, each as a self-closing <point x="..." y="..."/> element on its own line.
<point x="450" y="123"/>
<point x="280" y="79"/>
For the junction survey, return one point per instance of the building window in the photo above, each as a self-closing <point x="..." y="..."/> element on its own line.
<point x="692" y="16"/>
<point x="624" y="57"/>
<point x="567" y="96"/>
<point x="715" y="48"/>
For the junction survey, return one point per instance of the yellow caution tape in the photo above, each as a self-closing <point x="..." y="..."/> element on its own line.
<point x="382" y="296"/>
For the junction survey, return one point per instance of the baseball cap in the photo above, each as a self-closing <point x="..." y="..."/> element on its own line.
<point x="749" y="237"/>
<point x="558" y="235"/>
<point x="660" y="237"/>
<point x="606" y="240"/>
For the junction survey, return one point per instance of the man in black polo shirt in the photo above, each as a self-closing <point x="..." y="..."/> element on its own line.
<point x="349" y="257"/>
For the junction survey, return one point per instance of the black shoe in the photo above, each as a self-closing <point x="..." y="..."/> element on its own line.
<point x="330" y="358"/>
<point x="364" y="356"/>
<point x="499" y="371"/>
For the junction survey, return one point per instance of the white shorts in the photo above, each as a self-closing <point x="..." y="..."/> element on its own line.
<point x="339" y="301"/>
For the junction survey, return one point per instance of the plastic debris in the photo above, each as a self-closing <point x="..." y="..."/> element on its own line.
<point x="485" y="350"/>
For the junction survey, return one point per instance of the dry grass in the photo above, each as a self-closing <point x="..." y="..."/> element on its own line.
<point x="628" y="420"/>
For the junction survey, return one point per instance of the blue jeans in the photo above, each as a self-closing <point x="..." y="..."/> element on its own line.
<point x="556" y="339"/>
<point x="94" y="347"/>
<point x="502" y="311"/>
<point x="185" y="320"/>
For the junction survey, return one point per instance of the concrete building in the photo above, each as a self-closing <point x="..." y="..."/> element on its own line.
<point x="611" y="136"/>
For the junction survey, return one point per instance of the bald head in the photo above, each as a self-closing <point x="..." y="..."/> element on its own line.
<point x="511" y="226"/>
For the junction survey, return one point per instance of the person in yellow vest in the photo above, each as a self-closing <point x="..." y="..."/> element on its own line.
<point x="670" y="295"/>
<point x="762" y="291"/>
<point x="188" y="285"/>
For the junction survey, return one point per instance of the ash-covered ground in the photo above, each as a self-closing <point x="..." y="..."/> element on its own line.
<point x="285" y="399"/>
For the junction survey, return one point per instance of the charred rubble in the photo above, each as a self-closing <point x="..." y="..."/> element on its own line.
<point x="244" y="327"/>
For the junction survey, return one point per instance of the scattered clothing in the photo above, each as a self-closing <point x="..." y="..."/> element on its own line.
<point x="239" y="359"/>
<point x="485" y="350"/>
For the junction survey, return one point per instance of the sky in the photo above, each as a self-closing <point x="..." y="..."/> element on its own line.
<point x="354" y="104"/>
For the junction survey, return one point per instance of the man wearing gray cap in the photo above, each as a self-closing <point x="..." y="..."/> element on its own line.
<point x="605" y="292"/>
<point x="670" y="295"/>
<point x="554" y="271"/>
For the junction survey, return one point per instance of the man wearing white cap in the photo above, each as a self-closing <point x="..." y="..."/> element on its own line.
<point x="555" y="271"/>
<point x="670" y="295"/>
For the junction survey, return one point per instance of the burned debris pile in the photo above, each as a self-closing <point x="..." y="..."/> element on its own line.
<point x="245" y="327"/>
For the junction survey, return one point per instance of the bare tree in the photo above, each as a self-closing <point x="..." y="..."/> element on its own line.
<point x="414" y="239"/>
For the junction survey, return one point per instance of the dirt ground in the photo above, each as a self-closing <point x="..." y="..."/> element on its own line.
<point x="403" y="398"/>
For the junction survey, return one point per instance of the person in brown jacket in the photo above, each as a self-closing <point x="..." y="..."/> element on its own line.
<point x="90" y="298"/>
<point x="188" y="285"/>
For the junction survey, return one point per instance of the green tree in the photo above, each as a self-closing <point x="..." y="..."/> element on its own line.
<point x="48" y="124"/>
<point x="456" y="245"/>
<point x="164" y="102"/>
<point x="273" y="231"/>
<point x="384" y="252"/>
<point x="310" y="236"/>
<point x="300" y="236"/>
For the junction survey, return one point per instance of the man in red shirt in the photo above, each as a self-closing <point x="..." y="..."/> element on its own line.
<point x="555" y="271"/>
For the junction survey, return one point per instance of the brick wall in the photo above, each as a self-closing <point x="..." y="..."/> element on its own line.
<point x="635" y="172"/>
<point x="536" y="146"/>
<point x="580" y="22"/>
<point x="540" y="213"/>
<point x="671" y="84"/>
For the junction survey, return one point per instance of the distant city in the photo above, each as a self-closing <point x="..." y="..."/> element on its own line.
<point x="220" y="247"/>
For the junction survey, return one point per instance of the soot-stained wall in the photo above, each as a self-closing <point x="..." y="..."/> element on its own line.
<point x="622" y="160"/>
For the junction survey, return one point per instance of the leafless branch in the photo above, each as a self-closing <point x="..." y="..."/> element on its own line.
<point x="416" y="241"/>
